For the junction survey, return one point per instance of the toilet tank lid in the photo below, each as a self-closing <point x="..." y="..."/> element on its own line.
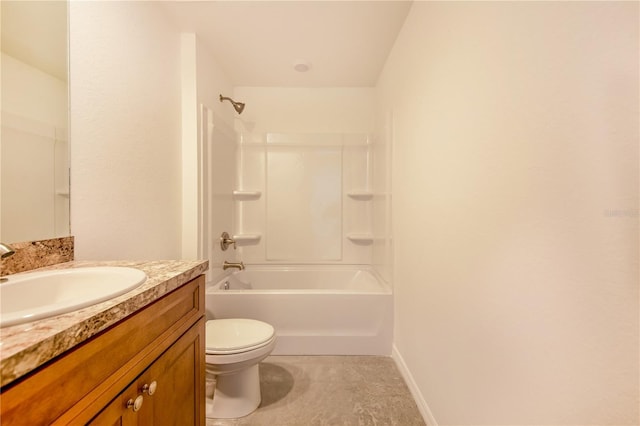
<point x="236" y="334"/>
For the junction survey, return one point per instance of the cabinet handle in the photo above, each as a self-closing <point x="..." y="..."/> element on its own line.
<point x="150" y="388"/>
<point x="135" y="405"/>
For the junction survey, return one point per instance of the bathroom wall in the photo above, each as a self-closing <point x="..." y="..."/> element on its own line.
<point x="381" y="203"/>
<point x="139" y="90"/>
<point x="126" y="135"/>
<point x="34" y="159"/>
<point x="219" y="155"/>
<point x="305" y="110"/>
<point x="208" y="156"/>
<point x="305" y="150"/>
<point x="515" y="203"/>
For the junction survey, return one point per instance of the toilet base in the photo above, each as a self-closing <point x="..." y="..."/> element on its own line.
<point x="236" y="394"/>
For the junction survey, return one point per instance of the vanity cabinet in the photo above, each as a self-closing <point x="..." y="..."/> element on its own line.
<point x="164" y="391"/>
<point x="155" y="356"/>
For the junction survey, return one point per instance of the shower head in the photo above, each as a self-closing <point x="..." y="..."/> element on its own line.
<point x="238" y="106"/>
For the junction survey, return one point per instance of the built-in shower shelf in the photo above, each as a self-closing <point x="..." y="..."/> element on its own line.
<point x="242" y="195"/>
<point x="247" y="239"/>
<point x="360" y="195"/>
<point x="360" y="238"/>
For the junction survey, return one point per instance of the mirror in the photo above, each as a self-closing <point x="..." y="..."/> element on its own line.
<point x="34" y="154"/>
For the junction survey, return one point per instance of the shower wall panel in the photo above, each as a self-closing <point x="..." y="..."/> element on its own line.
<point x="304" y="203"/>
<point x="297" y="199"/>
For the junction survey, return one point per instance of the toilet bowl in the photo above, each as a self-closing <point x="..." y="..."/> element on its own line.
<point x="234" y="347"/>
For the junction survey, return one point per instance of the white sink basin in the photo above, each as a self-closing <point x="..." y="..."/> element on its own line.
<point x="36" y="295"/>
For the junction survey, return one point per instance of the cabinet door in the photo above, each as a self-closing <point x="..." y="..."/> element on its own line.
<point x="180" y="376"/>
<point x="177" y="380"/>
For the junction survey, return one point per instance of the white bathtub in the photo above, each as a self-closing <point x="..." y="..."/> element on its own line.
<point x="315" y="310"/>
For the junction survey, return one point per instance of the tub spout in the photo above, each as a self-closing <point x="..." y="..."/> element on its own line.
<point x="226" y="265"/>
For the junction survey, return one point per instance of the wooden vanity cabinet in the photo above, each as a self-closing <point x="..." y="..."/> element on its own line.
<point x="165" y="389"/>
<point x="161" y="346"/>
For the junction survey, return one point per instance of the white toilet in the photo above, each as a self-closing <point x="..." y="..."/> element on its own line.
<point x="234" y="349"/>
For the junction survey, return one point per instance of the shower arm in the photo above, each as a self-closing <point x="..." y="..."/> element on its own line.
<point x="238" y="106"/>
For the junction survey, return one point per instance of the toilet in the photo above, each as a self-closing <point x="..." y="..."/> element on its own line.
<point x="234" y="347"/>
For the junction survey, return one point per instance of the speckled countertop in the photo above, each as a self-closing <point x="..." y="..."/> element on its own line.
<point x="25" y="347"/>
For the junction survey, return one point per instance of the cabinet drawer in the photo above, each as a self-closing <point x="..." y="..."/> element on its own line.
<point x="86" y="378"/>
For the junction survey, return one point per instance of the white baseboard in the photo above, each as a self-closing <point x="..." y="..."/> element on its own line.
<point x="413" y="388"/>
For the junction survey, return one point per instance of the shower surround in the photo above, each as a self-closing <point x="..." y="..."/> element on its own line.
<point x="311" y="197"/>
<point x="312" y="178"/>
<point x="305" y="199"/>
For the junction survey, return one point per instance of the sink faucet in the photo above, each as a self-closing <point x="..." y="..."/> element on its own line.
<point x="6" y="251"/>
<point x="226" y="265"/>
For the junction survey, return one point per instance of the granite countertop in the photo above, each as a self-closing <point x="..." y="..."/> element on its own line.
<point x="24" y="347"/>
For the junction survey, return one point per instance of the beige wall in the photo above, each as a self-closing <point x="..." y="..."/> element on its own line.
<point x="136" y="89"/>
<point x="305" y="110"/>
<point x="515" y="207"/>
<point x="220" y="158"/>
<point x="203" y="81"/>
<point x="125" y="132"/>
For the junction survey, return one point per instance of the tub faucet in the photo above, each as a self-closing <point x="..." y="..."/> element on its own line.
<point x="226" y="265"/>
<point x="6" y="251"/>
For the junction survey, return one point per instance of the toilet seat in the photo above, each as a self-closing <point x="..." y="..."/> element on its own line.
<point x="231" y="336"/>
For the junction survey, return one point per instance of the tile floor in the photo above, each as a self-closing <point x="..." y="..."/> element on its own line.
<point x="330" y="390"/>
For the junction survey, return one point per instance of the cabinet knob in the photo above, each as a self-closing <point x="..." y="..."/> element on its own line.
<point x="135" y="404"/>
<point x="150" y="388"/>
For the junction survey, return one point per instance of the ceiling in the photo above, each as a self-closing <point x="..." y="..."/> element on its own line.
<point x="345" y="43"/>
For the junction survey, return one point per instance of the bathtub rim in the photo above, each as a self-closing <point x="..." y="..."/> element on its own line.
<point x="385" y="288"/>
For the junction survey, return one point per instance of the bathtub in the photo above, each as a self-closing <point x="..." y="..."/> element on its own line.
<point x="315" y="310"/>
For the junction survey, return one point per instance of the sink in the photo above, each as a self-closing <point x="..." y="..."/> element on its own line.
<point x="35" y="295"/>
